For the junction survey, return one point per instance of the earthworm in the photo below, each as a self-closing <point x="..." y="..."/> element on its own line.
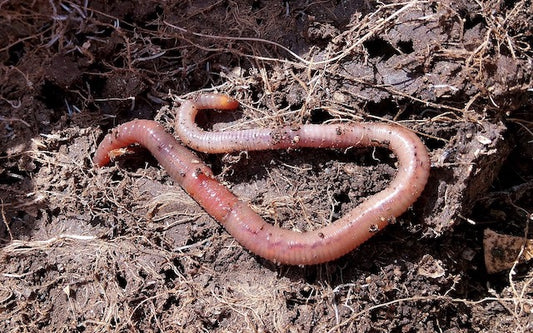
<point x="245" y="225"/>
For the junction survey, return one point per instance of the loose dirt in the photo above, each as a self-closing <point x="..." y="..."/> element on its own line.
<point x="123" y="248"/>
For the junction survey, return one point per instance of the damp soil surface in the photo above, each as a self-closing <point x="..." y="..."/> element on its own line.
<point x="124" y="248"/>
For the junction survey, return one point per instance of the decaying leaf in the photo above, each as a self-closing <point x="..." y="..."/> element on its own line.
<point x="501" y="251"/>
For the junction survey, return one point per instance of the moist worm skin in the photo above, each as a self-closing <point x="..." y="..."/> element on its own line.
<point x="253" y="232"/>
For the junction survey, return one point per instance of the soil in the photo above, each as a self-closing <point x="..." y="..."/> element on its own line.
<point x="123" y="248"/>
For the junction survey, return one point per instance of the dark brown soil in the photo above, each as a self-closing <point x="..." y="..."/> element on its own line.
<point x="123" y="248"/>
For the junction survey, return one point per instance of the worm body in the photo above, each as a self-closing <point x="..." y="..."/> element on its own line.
<point x="253" y="232"/>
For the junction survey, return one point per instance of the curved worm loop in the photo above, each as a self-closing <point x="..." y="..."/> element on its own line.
<point x="252" y="231"/>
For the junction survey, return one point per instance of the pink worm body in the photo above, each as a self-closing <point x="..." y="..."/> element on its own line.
<point x="253" y="232"/>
